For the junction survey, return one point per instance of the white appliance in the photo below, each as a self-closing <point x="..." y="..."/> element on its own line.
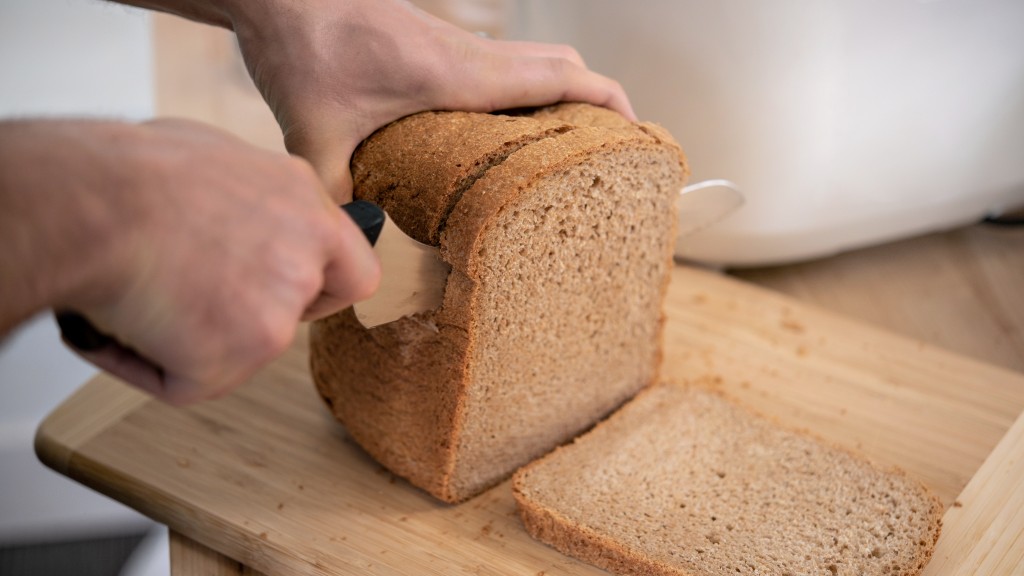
<point x="845" y="123"/>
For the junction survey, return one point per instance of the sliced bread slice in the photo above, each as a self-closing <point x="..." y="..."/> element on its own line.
<point x="560" y="238"/>
<point x="683" y="481"/>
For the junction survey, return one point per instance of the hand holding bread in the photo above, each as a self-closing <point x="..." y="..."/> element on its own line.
<point x="334" y="71"/>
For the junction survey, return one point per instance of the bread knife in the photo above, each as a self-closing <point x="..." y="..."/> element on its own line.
<point x="413" y="275"/>
<point x="702" y="204"/>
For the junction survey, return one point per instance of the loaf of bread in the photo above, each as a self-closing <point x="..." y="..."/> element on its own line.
<point x="682" y="481"/>
<point x="559" y="227"/>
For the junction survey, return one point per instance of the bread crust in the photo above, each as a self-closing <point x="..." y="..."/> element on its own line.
<point x="442" y="154"/>
<point x="554" y="527"/>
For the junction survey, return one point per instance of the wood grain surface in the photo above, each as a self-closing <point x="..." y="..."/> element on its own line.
<point x="267" y="478"/>
<point x="961" y="289"/>
<point x="983" y="531"/>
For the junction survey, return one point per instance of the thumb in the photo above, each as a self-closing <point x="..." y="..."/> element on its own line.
<point x="351" y="272"/>
<point x="330" y="157"/>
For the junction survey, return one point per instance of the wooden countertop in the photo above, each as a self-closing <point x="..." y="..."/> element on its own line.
<point x="962" y="290"/>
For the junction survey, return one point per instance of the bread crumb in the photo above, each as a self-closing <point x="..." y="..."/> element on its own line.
<point x="792" y="325"/>
<point x="485" y="530"/>
<point x="958" y="504"/>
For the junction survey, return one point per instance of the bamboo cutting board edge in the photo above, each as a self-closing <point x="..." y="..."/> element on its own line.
<point x="100" y="404"/>
<point x="982" y="532"/>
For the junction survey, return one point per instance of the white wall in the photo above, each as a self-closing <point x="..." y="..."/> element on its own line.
<point x="57" y="58"/>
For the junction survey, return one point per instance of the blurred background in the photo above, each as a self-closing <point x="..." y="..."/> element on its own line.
<point x="878" y="130"/>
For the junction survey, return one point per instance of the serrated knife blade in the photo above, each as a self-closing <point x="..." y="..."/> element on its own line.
<point x="414" y="276"/>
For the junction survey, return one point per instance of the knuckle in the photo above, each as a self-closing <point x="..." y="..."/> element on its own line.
<point x="561" y="71"/>
<point x="615" y="89"/>
<point x="271" y="340"/>
<point x="308" y="284"/>
<point x="569" y="53"/>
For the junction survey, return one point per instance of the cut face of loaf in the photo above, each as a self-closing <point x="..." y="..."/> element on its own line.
<point x="682" y="481"/>
<point x="560" y="238"/>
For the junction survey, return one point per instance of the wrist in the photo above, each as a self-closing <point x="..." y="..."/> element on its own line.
<point x="65" y="226"/>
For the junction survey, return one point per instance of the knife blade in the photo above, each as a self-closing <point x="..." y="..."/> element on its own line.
<point x="413" y="275"/>
<point x="702" y="204"/>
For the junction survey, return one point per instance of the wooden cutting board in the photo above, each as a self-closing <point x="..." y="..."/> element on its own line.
<point x="266" y="477"/>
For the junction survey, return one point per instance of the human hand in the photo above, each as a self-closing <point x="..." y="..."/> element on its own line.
<point x="201" y="253"/>
<point x="334" y="71"/>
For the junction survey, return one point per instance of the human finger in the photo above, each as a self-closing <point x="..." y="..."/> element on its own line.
<point x="128" y="365"/>
<point x="550" y="80"/>
<point x="328" y="150"/>
<point x="134" y="369"/>
<point x="351" y="271"/>
<point x="539" y="50"/>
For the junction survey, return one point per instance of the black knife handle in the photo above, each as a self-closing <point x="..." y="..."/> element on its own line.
<point x="79" y="332"/>
<point x="368" y="216"/>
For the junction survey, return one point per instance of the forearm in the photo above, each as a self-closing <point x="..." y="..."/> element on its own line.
<point x="215" y="12"/>
<point x="228" y="13"/>
<point x="56" y="231"/>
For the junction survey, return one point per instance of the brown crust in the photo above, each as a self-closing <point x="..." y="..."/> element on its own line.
<point x="395" y="394"/>
<point x="581" y="542"/>
<point x="443" y="153"/>
<point x="401" y="395"/>
<point x="505" y="183"/>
